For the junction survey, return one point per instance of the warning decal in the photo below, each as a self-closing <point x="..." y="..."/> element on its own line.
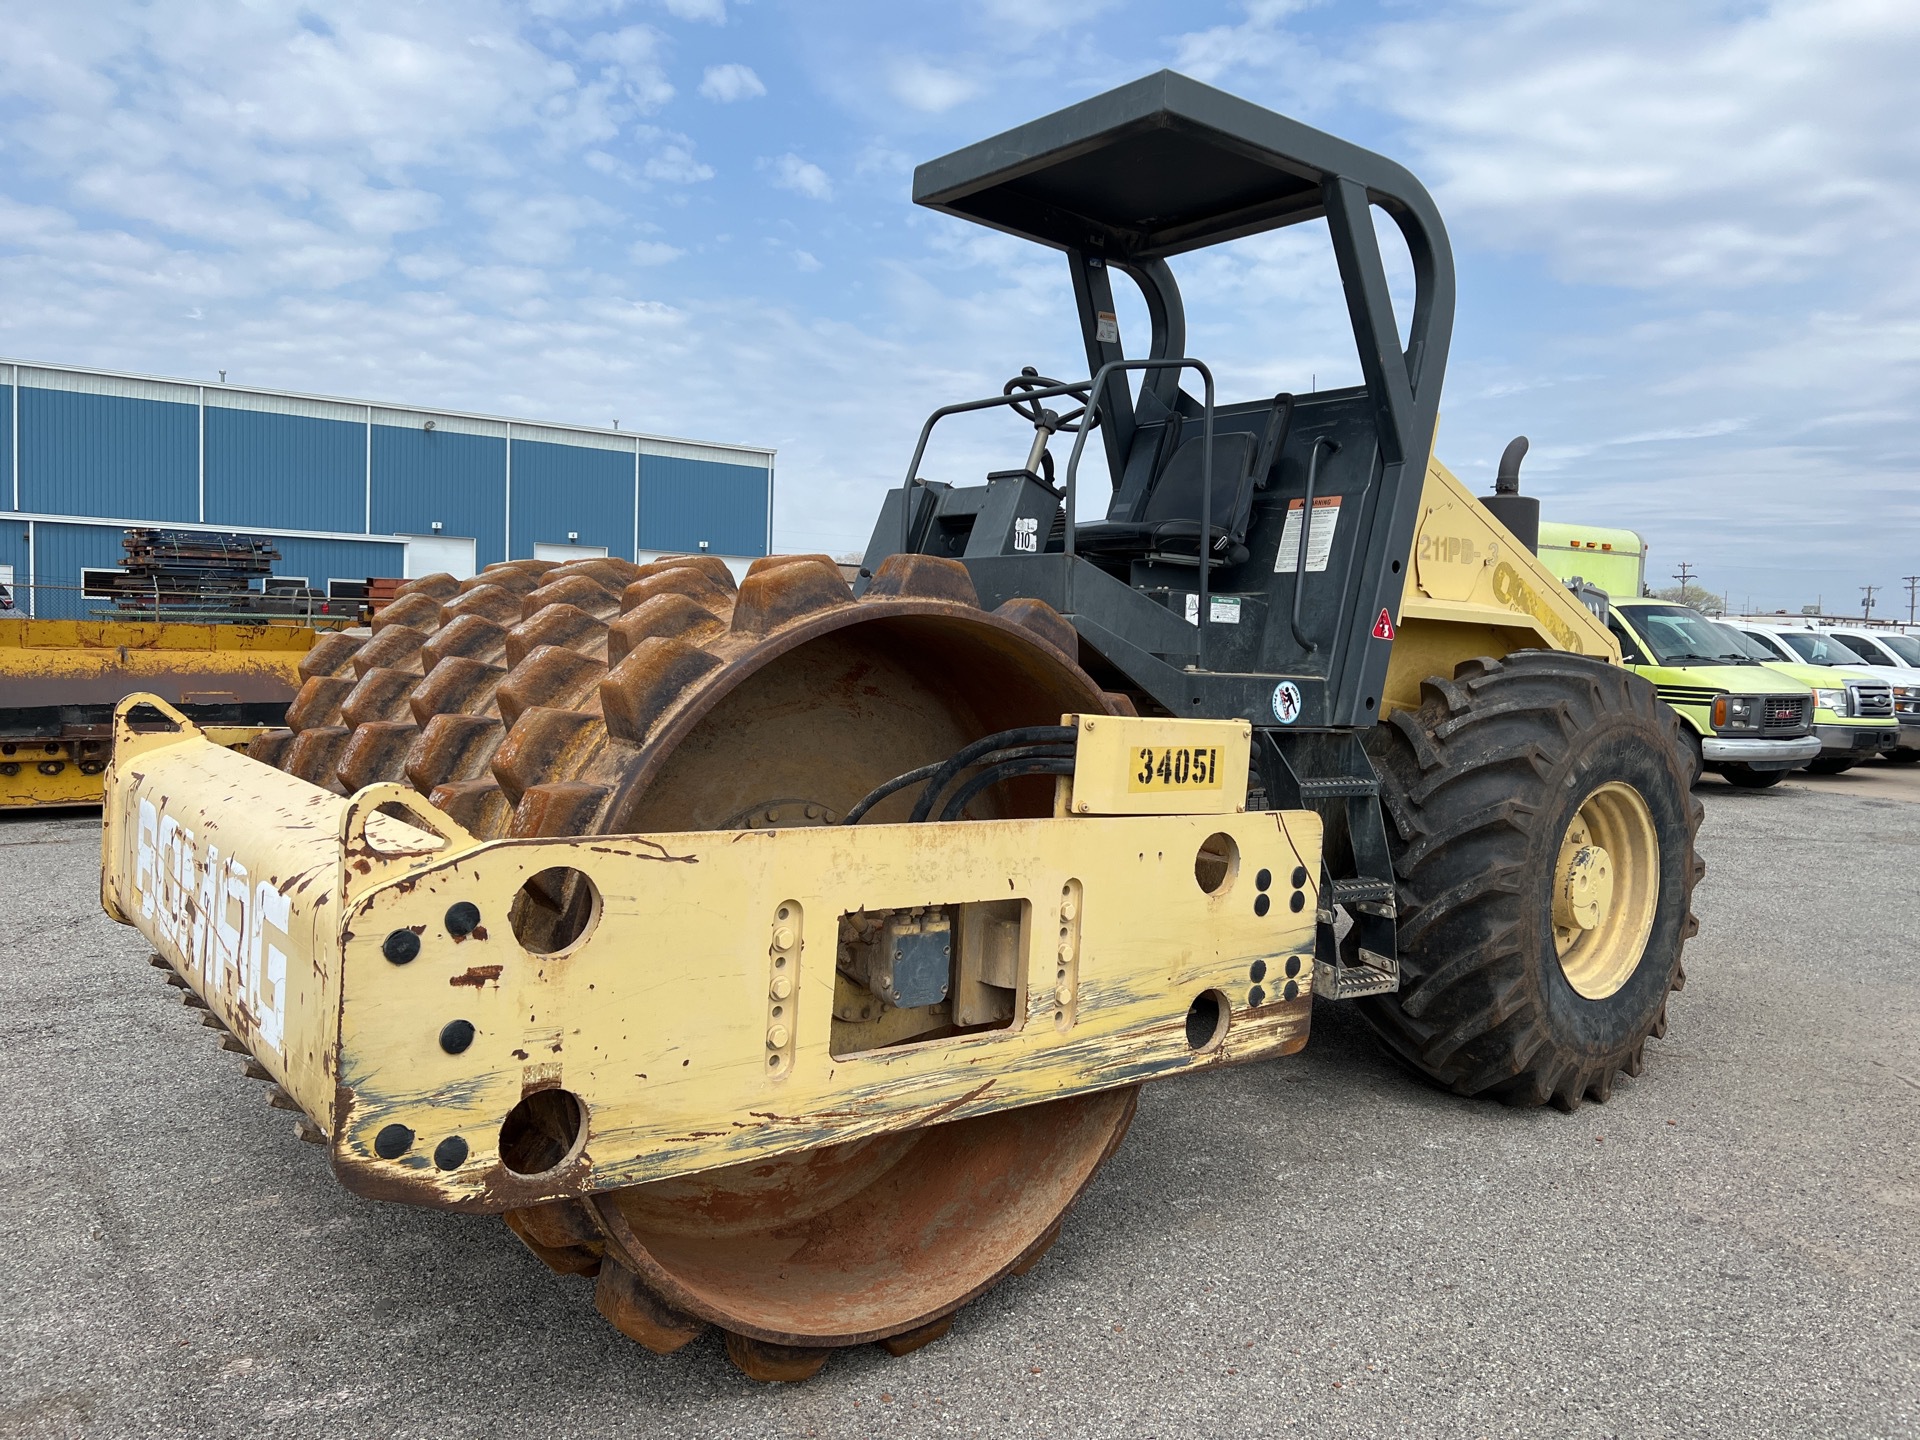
<point x="1326" y="516"/>
<point x="1383" y="627"/>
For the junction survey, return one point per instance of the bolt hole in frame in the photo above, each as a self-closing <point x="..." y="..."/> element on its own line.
<point x="1216" y="862"/>
<point x="554" y="911"/>
<point x="1207" y="1020"/>
<point x="542" y="1133"/>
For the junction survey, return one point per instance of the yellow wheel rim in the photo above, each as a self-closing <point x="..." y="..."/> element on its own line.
<point x="1606" y="886"/>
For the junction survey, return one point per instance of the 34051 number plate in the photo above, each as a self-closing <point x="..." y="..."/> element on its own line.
<point x="1129" y="765"/>
<point x="1175" y="767"/>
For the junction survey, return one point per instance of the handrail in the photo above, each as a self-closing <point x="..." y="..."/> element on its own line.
<point x="1205" y="541"/>
<point x="1332" y="447"/>
<point x="1077" y="388"/>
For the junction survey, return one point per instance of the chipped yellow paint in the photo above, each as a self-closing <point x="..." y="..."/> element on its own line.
<point x="1473" y="590"/>
<point x="665" y="1018"/>
<point x="237" y="885"/>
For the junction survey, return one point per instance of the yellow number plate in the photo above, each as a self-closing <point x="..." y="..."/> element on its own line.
<point x="1126" y="765"/>
<point x="1175" y="767"/>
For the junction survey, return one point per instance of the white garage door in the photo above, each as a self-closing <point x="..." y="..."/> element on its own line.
<point x="563" y="553"/>
<point x="439" y="555"/>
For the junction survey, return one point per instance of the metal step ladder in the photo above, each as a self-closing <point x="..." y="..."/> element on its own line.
<point x="1330" y="774"/>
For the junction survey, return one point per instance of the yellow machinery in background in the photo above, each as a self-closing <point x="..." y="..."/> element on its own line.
<point x="60" y="681"/>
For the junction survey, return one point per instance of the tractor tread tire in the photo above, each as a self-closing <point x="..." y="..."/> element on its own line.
<point x="1478" y="784"/>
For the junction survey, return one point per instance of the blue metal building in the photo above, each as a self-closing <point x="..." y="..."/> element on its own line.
<point x="348" y="489"/>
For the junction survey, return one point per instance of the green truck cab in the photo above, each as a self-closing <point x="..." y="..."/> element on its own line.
<point x="1751" y="722"/>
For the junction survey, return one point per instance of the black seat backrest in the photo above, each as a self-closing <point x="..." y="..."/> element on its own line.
<point x="1240" y="466"/>
<point x="1176" y="496"/>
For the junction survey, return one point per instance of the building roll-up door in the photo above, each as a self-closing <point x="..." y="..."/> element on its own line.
<point x="440" y="555"/>
<point x="563" y="553"/>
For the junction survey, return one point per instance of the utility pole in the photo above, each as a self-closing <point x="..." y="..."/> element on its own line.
<point x="1866" y="607"/>
<point x="1684" y="575"/>
<point x="1913" y="593"/>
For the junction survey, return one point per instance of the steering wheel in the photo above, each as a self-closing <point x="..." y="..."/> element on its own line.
<point x="1034" y="412"/>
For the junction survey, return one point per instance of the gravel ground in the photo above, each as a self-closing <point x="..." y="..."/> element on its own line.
<point x="1316" y="1246"/>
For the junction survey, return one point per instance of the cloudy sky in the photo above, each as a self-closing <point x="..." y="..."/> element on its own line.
<point x="1686" y="233"/>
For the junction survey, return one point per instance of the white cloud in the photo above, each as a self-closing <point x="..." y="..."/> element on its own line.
<point x="429" y="267"/>
<point x="1726" y="197"/>
<point x="537" y="229"/>
<point x="802" y="177"/>
<point x="1268" y="60"/>
<point x="805" y="261"/>
<point x="632" y="59"/>
<point x="877" y="159"/>
<point x="385" y="210"/>
<point x="653" y="252"/>
<point x="674" y="163"/>
<point x="712" y="12"/>
<point x="925" y="86"/>
<point x="730" y="82"/>
<point x="504" y="285"/>
<point x="1643" y="144"/>
<point x="631" y="45"/>
<point x="575" y="9"/>
<point x="1023" y="21"/>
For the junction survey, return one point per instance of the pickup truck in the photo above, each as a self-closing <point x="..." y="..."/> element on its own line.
<point x="1897" y="658"/>
<point x="1852" y="707"/>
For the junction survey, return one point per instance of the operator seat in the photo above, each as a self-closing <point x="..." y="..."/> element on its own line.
<point x="1169" y="527"/>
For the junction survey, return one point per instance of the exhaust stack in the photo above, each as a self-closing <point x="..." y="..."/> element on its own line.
<point x="1519" y="513"/>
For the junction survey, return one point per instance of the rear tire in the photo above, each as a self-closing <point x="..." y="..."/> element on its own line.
<point x="1748" y="778"/>
<point x="1696" y="760"/>
<point x="1830" y="765"/>
<point x="1494" y="789"/>
<point x="1902" y="757"/>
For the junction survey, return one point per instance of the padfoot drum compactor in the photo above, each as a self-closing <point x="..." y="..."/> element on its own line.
<point x="788" y="956"/>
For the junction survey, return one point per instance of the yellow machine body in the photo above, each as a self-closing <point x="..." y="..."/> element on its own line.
<point x="59" y="680"/>
<point x="692" y="1021"/>
<point x="1473" y="590"/>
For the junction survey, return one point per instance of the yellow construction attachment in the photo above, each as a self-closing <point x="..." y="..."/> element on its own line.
<point x="716" y="996"/>
<point x="59" y="681"/>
